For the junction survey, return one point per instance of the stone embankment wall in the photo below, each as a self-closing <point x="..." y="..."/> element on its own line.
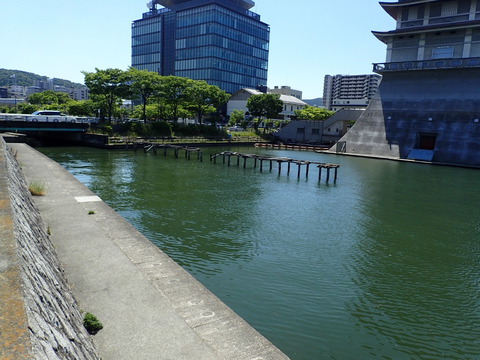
<point x="39" y="317"/>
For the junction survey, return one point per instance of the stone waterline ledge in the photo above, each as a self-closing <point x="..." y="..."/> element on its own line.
<point x="39" y="317"/>
<point x="150" y="307"/>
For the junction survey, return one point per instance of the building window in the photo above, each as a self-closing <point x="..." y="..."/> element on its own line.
<point x="435" y="10"/>
<point x="300" y="130"/>
<point x="449" y="8"/>
<point x="315" y="131"/>
<point x="421" y="13"/>
<point x="442" y="52"/>
<point x="464" y="6"/>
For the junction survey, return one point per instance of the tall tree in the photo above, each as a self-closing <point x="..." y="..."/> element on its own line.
<point x="82" y="108"/>
<point x="203" y="98"/>
<point x="49" y="97"/>
<point x="144" y="85"/>
<point x="111" y="85"/>
<point x="265" y="105"/>
<point x="173" y="93"/>
<point x="237" y="117"/>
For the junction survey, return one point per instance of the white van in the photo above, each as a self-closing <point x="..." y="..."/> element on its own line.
<point x="50" y="116"/>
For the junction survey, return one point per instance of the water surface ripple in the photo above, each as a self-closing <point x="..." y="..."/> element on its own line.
<point x="383" y="264"/>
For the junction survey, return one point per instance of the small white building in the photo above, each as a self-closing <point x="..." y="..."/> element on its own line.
<point x="79" y="93"/>
<point x="238" y="101"/>
<point x="29" y="90"/>
<point x="16" y="90"/>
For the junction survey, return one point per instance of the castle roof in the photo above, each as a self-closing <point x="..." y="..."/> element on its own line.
<point x="393" y="8"/>
<point x="384" y="35"/>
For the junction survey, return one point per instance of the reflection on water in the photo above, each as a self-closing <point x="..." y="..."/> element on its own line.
<point x="416" y="264"/>
<point x="383" y="264"/>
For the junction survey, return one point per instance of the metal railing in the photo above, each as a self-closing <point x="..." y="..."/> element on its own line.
<point x="433" y="64"/>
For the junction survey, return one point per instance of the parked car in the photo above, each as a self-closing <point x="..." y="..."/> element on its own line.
<point x="50" y="116"/>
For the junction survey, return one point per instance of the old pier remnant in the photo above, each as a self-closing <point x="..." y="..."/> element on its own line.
<point x="259" y="159"/>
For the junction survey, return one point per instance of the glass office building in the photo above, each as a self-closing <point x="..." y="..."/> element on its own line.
<point x="219" y="41"/>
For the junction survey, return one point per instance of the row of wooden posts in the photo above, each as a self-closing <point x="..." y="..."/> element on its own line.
<point x="176" y="150"/>
<point x="258" y="159"/>
<point x="226" y="156"/>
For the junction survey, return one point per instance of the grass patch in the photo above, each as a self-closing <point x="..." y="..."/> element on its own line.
<point x="36" y="189"/>
<point x="91" y="212"/>
<point x="91" y="323"/>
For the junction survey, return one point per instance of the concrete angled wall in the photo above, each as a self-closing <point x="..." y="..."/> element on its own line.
<point x="318" y="131"/>
<point x="39" y="316"/>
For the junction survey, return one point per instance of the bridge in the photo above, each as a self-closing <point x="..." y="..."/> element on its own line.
<point x="67" y="132"/>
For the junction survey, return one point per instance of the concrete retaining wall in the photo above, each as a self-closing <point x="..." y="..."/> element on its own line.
<point x="39" y="318"/>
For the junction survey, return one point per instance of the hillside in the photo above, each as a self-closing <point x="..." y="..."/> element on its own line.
<point x="24" y="78"/>
<point x="314" y="102"/>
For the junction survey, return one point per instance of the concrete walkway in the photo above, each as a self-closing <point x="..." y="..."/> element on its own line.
<point x="150" y="307"/>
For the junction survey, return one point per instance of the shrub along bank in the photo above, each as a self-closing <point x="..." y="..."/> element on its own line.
<point x="160" y="129"/>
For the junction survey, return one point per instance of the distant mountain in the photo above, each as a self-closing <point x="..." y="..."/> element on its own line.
<point x="314" y="102"/>
<point x="24" y="78"/>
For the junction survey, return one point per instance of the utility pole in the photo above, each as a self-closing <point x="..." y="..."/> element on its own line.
<point x="14" y="77"/>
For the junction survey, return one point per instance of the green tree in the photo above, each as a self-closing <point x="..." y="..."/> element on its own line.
<point x="203" y="98"/>
<point x="173" y="94"/>
<point x="26" y="108"/>
<point x="144" y="85"/>
<point x="82" y="108"/>
<point x="110" y="85"/>
<point x="265" y="105"/>
<point x="313" y="113"/>
<point x="237" y="117"/>
<point x="150" y="111"/>
<point x="49" y="97"/>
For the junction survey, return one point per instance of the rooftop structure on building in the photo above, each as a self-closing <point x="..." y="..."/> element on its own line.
<point x="286" y="90"/>
<point x="349" y="91"/>
<point x="428" y="104"/>
<point x="219" y="41"/>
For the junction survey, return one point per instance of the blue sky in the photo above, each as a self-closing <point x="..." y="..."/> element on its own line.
<point x="309" y="38"/>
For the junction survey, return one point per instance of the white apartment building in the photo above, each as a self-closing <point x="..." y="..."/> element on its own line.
<point x="349" y="91"/>
<point x="79" y="93"/>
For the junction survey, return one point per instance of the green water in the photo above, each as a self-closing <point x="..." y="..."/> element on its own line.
<point x="383" y="264"/>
